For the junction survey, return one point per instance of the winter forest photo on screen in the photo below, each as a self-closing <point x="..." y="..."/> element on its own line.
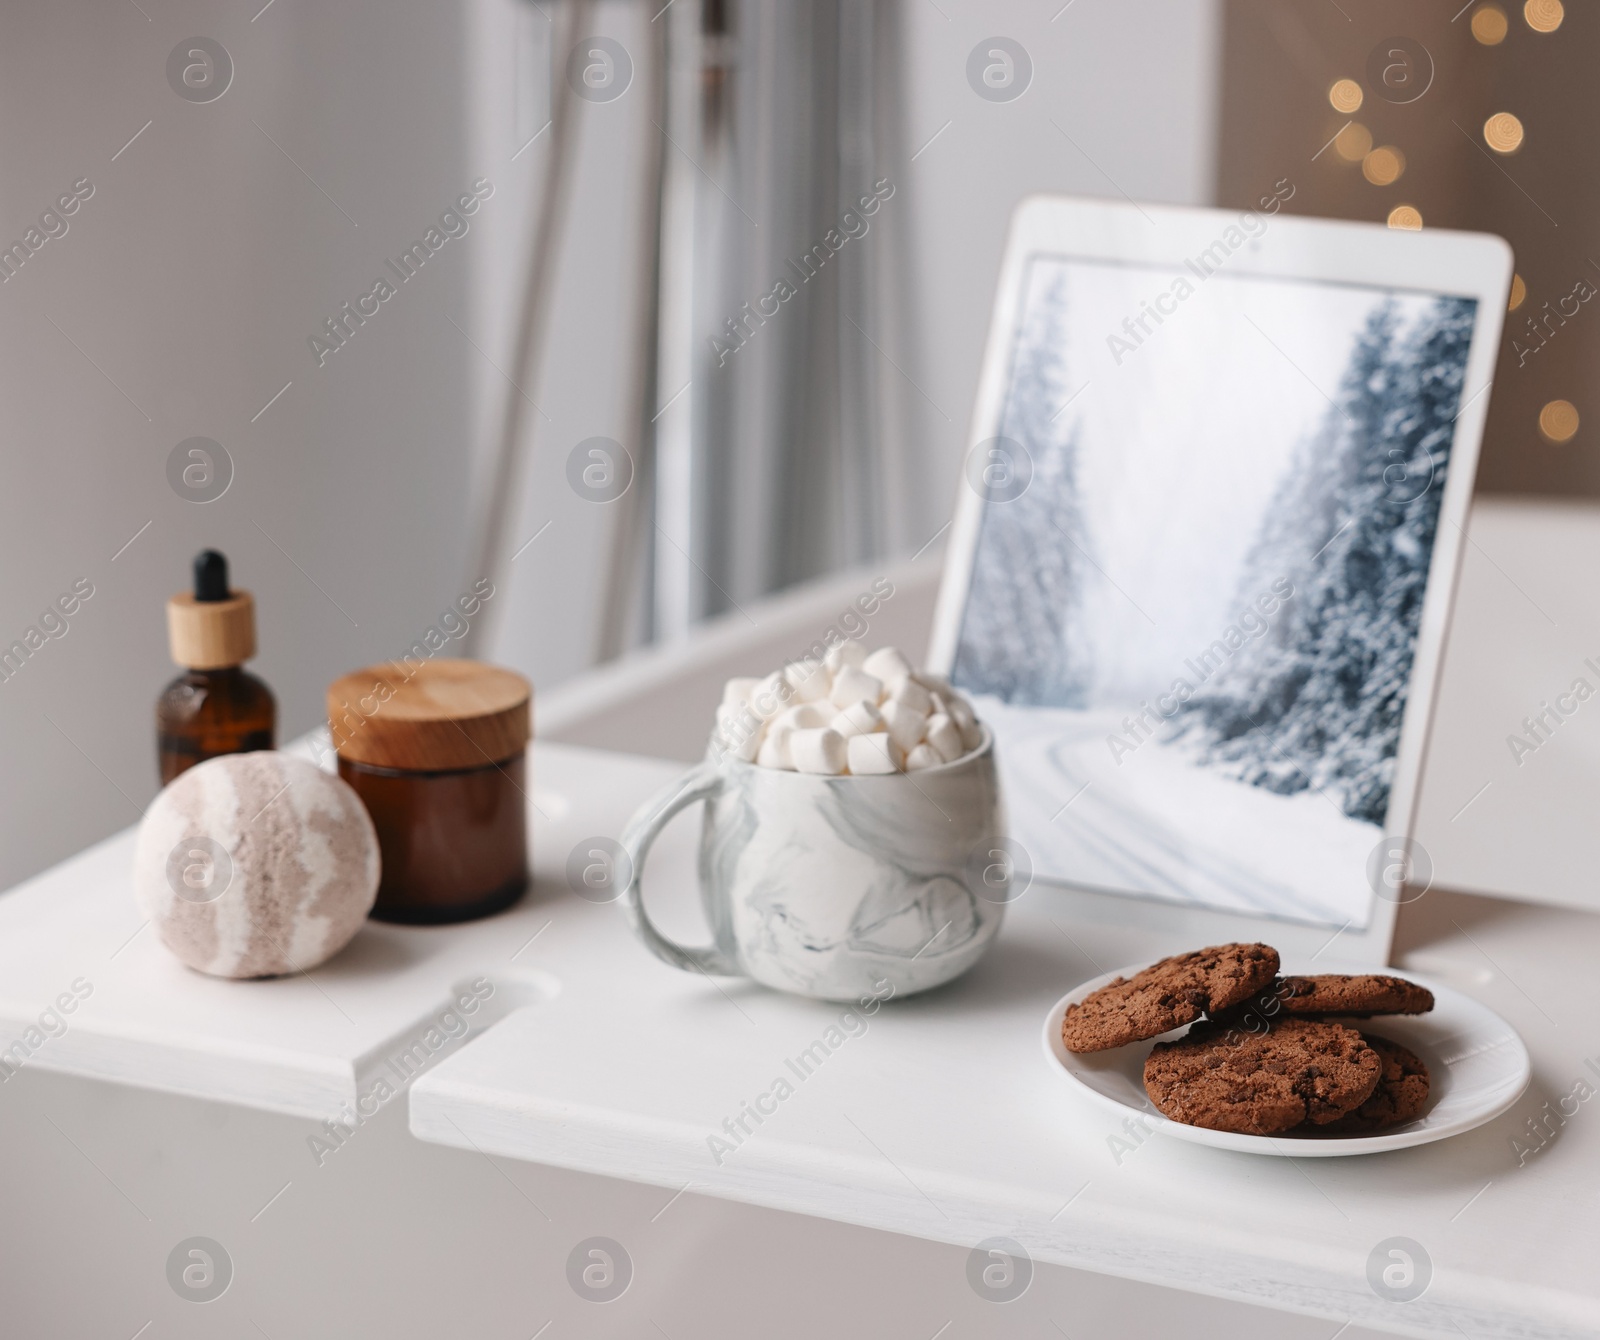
<point x="1193" y="629"/>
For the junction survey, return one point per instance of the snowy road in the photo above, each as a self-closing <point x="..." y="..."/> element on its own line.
<point x="1158" y="826"/>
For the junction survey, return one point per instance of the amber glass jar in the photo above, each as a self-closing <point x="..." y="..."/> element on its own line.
<point x="437" y="752"/>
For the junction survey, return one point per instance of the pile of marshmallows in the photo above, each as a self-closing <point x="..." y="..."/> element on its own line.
<point x="848" y="713"/>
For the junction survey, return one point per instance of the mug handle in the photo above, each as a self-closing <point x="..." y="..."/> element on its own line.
<point x="643" y="829"/>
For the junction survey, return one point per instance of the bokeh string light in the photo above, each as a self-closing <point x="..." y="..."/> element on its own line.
<point x="1346" y="96"/>
<point x="1384" y="165"/>
<point x="1558" y="421"/>
<point x="1543" y="16"/>
<point x="1353" y="143"/>
<point x="1489" y="25"/>
<point x="1503" y="133"/>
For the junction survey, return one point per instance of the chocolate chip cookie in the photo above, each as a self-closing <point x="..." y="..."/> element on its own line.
<point x="1362" y="995"/>
<point x="1401" y="1094"/>
<point x="1226" y="1079"/>
<point x="1168" y="994"/>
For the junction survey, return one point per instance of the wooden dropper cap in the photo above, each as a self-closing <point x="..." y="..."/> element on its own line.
<point x="212" y="628"/>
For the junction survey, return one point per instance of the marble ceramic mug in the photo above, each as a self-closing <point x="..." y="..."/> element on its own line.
<point x="832" y="886"/>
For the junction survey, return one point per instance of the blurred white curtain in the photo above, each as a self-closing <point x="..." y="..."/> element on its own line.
<point x="775" y="447"/>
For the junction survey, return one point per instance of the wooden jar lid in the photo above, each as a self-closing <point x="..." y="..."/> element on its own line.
<point x="211" y="634"/>
<point x="430" y="716"/>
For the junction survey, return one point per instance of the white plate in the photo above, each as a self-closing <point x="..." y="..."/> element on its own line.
<point x="1477" y="1066"/>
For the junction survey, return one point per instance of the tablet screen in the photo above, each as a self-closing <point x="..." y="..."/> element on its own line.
<point x="1209" y="512"/>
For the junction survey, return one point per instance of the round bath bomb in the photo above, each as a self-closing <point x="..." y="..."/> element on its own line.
<point x="255" y="865"/>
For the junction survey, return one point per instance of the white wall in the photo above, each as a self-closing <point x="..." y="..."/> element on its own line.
<point x="178" y="304"/>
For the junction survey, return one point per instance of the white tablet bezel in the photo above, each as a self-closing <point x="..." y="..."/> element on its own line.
<point x="1476" y="265"/>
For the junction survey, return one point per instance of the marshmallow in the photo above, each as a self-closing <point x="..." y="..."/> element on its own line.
<point x="775" y="749"/>
<point x="737" y="726"/>
<point x="808" y="679"/>
<point x="847" y="712"/>
<point x="858" y="719"/>
<point x="770" y="696"/>
<point x="904" y="724"/>
<point x="805" y="716"/>
<point x="853" y="686"/>
<point x="846" y="654"/>
<point x="945" y="736"/>
<point x="746" y="745"/>
<point x="966" y="722"/>
<point x="906" y="690"/>
<point x="887" y="664"/>
<point x="871" y="754"/>
<point x="818" y="751"/>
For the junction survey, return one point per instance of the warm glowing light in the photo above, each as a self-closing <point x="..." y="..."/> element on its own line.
<point x="1489" y="25"/>
<point x="1519" y="292"/>
<point x="1544" y="16"/>
<point x="1383" y="166"/>
<point x="1408" y="217"/>
<point x="1345" y="96"/>
<point x="1353" y="143"/>
<point x="1502" y="132"/>
<point x="1558" y="421"/>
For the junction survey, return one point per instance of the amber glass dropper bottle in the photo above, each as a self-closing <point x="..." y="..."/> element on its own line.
<point x="215" y="706"/>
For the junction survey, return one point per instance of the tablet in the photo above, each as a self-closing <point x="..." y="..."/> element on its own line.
<point x="1200" y="572"/>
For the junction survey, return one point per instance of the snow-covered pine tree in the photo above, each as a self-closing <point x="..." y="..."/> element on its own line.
<point x="1318" y="701"/>
<point x="1017" y="639"/>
